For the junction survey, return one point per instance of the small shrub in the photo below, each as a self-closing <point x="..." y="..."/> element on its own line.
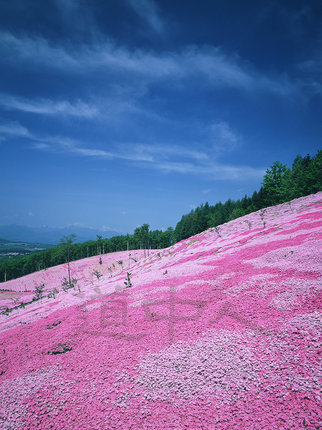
<point x="128" y="282"/>
<point x="262" y="214"/>
<point x="218" y="231"/>
<point x="248" y="223"/>
<point x="66" y="284"/>
<point x="97" y="273"/>
<point x="55" y="324"/>
<point x="52" y="293"/>
<point x="5" y="310"/>
<point x="15" y="301"/>
<point x="39" y="290"/>
<point x="61" y="348"/>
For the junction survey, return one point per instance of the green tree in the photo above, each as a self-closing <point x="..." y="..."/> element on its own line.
<point x="306" y="176"/>
<point x="236" y="213"/>
<point x="142" y="235"/>
<point x="275" y="183"/>
<point x="216" y="215"/>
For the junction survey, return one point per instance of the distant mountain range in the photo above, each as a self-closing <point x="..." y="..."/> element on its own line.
<point x="50" y="235"/>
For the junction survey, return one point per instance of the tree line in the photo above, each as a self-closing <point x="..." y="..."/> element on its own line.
<point x="141" y="239"/>
<point x="280" y="184"/>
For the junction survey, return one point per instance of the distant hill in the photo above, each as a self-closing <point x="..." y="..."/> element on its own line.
<point x="50" y="235"/>
<point x="5" y="243"/>
<point x="10" y="249"/>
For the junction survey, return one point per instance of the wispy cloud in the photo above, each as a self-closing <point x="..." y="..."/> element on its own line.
<point x="134" y="151"/>
<point x="105" y="228"/>
<point x="213" y="170"/>
<point x="13" y="129"/>
<point x="169" y="160"/>
<point x="224" y="132"/>
<point x="49" y="107"/>
<point x="63" y="144"/>
<point x="148" y="10"/>
<point x="206" y="191"/>
<point x="166" y="158"/>
<point x="311" y="72"/>
<point x="223" y="137"/>
<point x="209" y="64"/>
<point x="35" y="50"/>
<point x="161" y="151"/>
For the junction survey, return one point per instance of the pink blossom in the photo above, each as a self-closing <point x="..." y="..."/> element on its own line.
<point x="215" y="333"/>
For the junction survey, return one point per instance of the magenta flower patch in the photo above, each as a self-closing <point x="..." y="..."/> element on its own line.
<point x="219" y="331"/>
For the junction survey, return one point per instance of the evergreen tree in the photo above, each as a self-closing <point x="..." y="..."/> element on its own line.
<point x="275" y="183"/>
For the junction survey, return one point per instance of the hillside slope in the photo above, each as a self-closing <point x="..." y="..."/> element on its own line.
<point x="219" y="331"/>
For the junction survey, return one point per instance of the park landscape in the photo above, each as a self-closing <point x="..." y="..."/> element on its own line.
<point x="218" y="331"/>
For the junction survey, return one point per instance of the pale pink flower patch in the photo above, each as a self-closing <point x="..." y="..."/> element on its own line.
<point x="219" y="331"/>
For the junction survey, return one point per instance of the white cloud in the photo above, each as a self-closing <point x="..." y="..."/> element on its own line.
<point x="125" y="151"/>
<point x="78" y="224"/>
<point x="166" y="158"/>
<point x="205" y="64"/>
<point x="224" y="132"/>
<point x="223" y="137"/>
<point x="149" y="11"/>
<point x="105" y="228"/>
<point x="35" y="50"/>
<point x="156" y="150"/>
<point x="206" y="191"/>
<point x="49" y="107"/>
<point x="41" y="145"/>
<point x="63" y="144"/>
<point x="212" y="170"/>
<point x="200" y="164"/>
<point x="14" y="129"/>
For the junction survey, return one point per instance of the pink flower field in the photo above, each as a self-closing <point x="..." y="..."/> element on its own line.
<point x="219" y="331"/>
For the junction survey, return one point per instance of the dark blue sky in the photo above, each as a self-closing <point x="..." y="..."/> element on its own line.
<point x="119" y="112"/>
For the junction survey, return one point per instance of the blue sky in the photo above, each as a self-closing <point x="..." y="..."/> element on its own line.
<point x="122" y="112"/>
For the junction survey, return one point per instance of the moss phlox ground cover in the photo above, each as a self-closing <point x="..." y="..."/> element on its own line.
<point x="219" y="331"/>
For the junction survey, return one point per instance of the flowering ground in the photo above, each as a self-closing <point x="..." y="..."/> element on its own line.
<point x="219" y="331"/>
